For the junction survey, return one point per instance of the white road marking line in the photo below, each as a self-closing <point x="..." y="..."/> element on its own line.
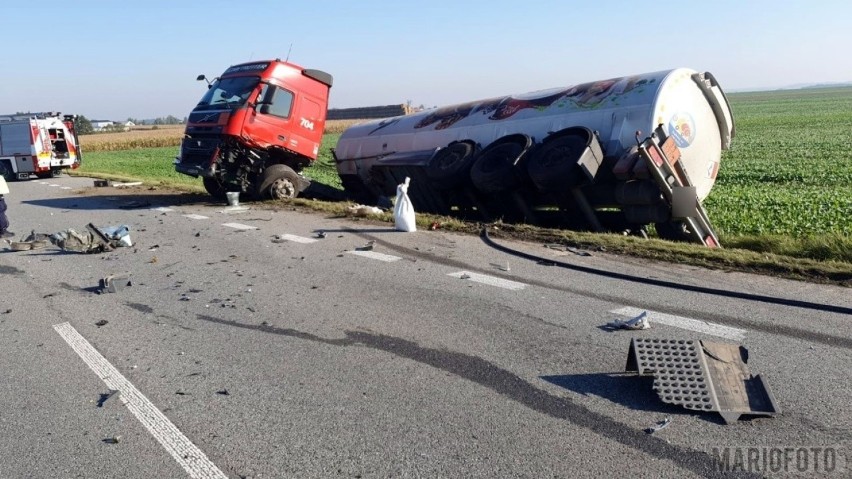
<point x="187" y="454"/>
<point x="66" y="187"/>
<point x="196" y="217"/>
<point x="52" y="184"/>
<point x="489" y="280"/>
<point x="297" y="239"/>
<point x="163" y="209"/>
<point x="685" y="323"/>
<point x="239" y="226"/>
<point x="373" y="255"/>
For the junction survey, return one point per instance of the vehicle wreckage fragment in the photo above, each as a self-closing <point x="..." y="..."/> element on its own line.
<point x="93" y="240"/>
<point x="702" y="376"/>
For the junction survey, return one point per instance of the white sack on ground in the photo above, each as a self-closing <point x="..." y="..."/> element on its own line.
<point x="403" y="210"/>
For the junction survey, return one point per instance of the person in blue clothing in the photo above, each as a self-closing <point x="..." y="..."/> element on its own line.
<point x="4" y="221"/>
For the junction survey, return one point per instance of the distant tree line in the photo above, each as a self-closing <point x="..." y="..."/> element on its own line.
<point x="169" y="120"/>
<point x="84" y="126"/>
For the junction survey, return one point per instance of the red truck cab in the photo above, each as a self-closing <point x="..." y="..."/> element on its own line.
<point x="256" y="128"/>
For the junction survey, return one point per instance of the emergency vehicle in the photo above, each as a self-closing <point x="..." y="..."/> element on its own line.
<point x="41" y="144"/>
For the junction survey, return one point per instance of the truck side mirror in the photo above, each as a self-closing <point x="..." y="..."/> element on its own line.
<point x="203" y="77"/>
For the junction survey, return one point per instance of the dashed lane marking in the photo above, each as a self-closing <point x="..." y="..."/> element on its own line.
<point x="239" y="226"/>
<point x="297" y="239"/>
<point x="52" y="184"/>
<point x="196" y="217"/>
<point x="373" y="255"/>
<point x="66" y="187"/>
<point x="187" y="454"/>
<point x="685" y="323"/>
<point x="164" y="209"/>
<point x="489" y="280"/>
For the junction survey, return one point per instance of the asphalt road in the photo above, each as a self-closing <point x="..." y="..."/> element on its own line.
<point x="236" y="354"/>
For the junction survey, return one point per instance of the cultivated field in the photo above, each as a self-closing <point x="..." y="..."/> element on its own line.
<point x="162" y="136"/>
<point x="790" y="169"/>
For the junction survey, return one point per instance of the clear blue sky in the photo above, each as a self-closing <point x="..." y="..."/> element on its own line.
<point x="120" y="59"/>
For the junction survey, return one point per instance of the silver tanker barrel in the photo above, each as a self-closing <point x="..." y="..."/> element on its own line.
<point x="578" y="148"/>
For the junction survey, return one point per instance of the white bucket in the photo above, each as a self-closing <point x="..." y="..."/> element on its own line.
<point x="233" y="198"/>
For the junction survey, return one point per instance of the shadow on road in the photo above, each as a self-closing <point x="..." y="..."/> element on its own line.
<point x="626" y="389"/>
<point x="125" y="201"/>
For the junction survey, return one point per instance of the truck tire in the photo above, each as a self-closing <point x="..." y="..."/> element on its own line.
<point x="46" y="174"/>
<point x="450" y="167"/>
<point x="278" y="182"/>
<point x="214" y="188"/>
<point x="496" y="166"/>
<point x="553" y="166"/>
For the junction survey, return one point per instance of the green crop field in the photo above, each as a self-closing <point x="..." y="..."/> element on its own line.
<point x="789" y="171"/>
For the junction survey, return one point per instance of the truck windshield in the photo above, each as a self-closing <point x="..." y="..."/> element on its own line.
<point x="231" y="92"/>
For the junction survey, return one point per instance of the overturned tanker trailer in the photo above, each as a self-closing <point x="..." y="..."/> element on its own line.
<point x="610" y="155"/>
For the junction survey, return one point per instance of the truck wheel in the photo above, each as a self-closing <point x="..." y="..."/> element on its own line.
<point x="553" y="166"/>
<point x="214" y="188"/>
<point x="278" y="182"/>
<point x="46" y="174"/>
<point x="495" y="167"/>
<point x="450" y="167"/>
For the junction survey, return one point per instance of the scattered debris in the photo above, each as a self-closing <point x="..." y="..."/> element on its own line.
<point x="94" y="240"/>
<point x="366" y="247"/>
<point x="561" y="247"/>
<point x="32" y="241"/>
<point x="659" y="425"/>
<point x="321" y="234"/>
<point x="128" y="184"/>
<point x="154" y="248"/>
<point x="363" y="210"/>
<point x="501" y="267"/>
<point x="434" y="226"/>
<point x="102" y="322"/>
<point x="7" y="311"/>
<point x="115" y="283"/>
<point x="464" y="276"/>
<point x="112" y="440"/>
<point x="223" y="392"/>
<point x="102" y="183"/>
<point x="637" y="323"/>
<point x="105" y="396"/>
<point x="702" y="376"/>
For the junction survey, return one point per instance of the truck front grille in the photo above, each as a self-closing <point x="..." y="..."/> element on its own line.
<point x="198" y="151"/>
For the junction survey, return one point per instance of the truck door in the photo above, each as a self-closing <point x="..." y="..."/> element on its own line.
<point x="272" y="120"/>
